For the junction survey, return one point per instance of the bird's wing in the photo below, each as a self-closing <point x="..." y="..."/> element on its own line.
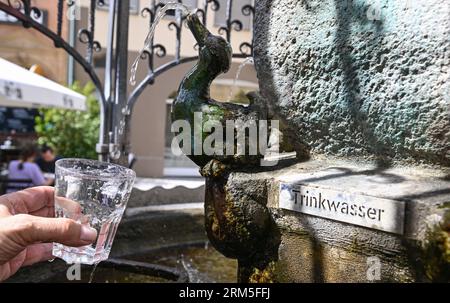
<point x="231" y="111"/>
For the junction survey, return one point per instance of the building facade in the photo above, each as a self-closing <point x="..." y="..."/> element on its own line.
<point x="27" y="47"/>
<point x="150" y="125"/>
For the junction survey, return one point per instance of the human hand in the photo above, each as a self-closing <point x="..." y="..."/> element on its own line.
<point x="27" y="229"/>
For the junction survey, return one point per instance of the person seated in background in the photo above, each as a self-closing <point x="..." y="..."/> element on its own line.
<point x="46" y="161"/>
<point x="26" y="169"/>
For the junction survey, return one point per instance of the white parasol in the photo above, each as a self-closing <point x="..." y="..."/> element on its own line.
<point x="20" y="87"/>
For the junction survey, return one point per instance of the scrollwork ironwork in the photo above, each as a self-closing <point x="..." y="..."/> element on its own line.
<point x="203" y="12"/>
<point x="86" y="36"/>
<point x="234" y="24"/>
<point x="246" y="46"/>
<point x="174" y="26"/>
<point x="146" y="11"/>
<point x="37" y="13"/>
<point x="19" y="4"/>
<point x="25" y="12"/>
<point x="159" y="50"/>
<point x="248" y="10"/>
<point x="27" y="9"/>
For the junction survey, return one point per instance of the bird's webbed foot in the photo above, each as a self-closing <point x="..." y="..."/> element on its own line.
<point x="213" y="169"/>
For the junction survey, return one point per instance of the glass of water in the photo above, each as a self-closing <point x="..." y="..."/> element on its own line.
<point x="95" y="194"/>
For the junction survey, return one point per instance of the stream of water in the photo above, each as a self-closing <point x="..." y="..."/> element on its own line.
<point x="91" y="277"/>
<point x="244" y="63"/>
<point x="160" y="13"/>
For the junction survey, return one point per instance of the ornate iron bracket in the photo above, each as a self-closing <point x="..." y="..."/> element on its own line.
<point x="245" y="49"/>
<point x="114" y="87"/>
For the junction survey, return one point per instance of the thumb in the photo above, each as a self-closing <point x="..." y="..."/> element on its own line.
<point x="65" y="231"/>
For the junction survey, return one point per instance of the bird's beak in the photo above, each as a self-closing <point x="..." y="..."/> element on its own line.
<point x="199" y="31"/>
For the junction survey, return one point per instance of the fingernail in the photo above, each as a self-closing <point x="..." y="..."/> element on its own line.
<point x="88" y="234"/>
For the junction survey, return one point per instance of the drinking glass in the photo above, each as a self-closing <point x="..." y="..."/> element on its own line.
<point x="92" y="193"/>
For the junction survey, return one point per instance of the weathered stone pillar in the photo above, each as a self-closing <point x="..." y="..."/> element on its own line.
<point x="365" y="87"/>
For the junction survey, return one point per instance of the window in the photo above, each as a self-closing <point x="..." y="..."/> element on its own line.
<point x="236" y="14"/>
<point x="20" y="120"/>
<point x="191" y="4"/>
<point x="134" y="6"/>
<point x="5" y="18"/>
<point x="100" y="59"/>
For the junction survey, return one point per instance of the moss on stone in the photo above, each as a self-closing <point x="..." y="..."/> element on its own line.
<point x="445" y="205"/>
<point x="354" y="247"/>
<point x="265" y="275"/>
<point x="436" y="253"/>
<point x="234" y="224"/>
<point x="235" y="219"/>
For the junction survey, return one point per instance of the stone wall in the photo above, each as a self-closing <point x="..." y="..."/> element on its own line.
<point x="359" y="78"/>
<point x="363" y="87"/>
<point x="292" y="246"/>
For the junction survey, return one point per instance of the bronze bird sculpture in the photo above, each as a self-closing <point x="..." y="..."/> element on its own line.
<point x="193" y="98"/>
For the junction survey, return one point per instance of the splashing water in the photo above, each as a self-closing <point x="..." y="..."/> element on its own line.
<point x="247" y="61"/>
<point x="125" y="112"/>
<point x="195" y="276"/>
<point x="91" y="277"/>
<point x="159" y="15"/>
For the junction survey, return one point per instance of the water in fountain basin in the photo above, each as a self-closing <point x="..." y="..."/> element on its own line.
<point x="195" y="276"/>
<point x="244" y="63"/>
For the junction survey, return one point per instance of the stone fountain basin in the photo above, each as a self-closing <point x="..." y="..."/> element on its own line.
<point x="144" y="234"/>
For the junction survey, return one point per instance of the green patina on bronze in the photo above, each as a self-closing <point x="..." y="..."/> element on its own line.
<point x="237" y="225"/>
<point x="194" y="98"/>
<point x="332" y="88"/>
